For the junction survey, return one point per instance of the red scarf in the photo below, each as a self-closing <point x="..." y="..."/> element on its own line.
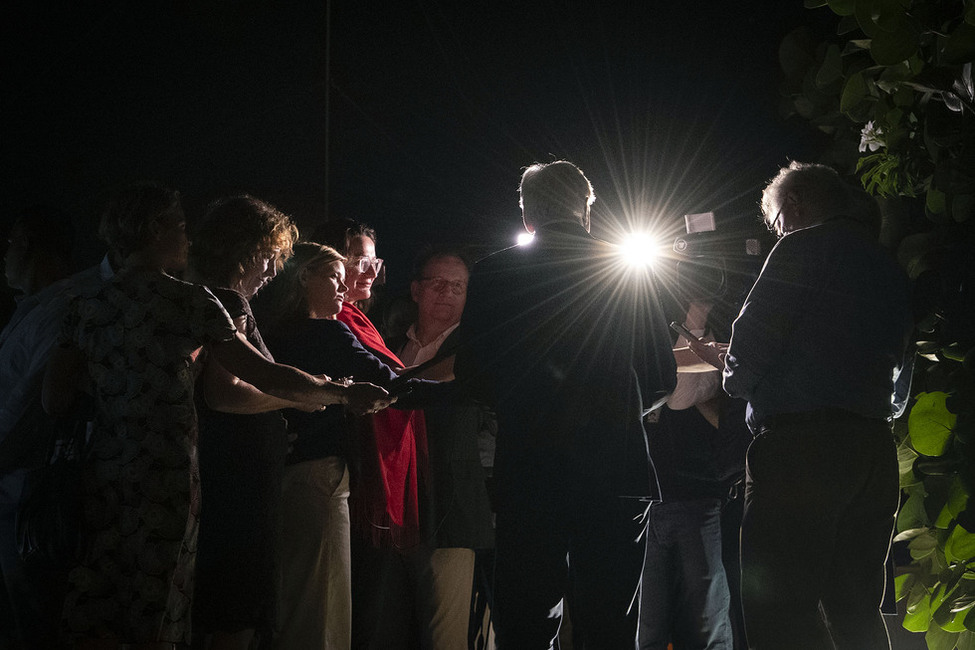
<point x="384" y="505"/>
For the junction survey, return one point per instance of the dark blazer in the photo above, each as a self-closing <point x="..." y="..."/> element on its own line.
<point x="456" y="510"/>
<point x="570" y="348"/>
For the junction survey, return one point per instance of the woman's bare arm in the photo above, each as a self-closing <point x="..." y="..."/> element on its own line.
<point x="230" y="394"/>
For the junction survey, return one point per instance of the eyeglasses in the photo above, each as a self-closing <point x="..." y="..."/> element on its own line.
<point x="774" y="226"/>
<point x="363" y="263"/>
<point x="438" y="284"/>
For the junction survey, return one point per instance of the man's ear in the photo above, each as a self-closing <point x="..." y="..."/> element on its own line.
<point x="303" y="277"/>
<point x="415" y="291"/>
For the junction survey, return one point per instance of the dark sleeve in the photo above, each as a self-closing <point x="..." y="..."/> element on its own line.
<point x="421" y="393"/>
<point x="208" y="321"/>
<point x="365" y="366"/>
<point x="317" y="347"/>
<point x="233" y="302"/>
<point x="412" y="393"/>
<point x="763" y="328"/>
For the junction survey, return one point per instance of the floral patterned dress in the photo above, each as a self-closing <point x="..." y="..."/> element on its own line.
<point x="140" y="335"/>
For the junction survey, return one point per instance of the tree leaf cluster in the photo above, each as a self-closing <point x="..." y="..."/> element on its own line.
<point x="903" y="67"/>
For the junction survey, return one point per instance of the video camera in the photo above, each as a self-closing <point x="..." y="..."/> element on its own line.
<point x="712" y="265"/>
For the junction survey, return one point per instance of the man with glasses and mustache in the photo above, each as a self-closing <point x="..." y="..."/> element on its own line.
<point x="815" y="350"/>
<point x="570" y="347"/>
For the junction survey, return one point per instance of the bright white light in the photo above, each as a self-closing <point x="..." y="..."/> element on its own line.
<point x="639" y="249"/>
<point x="525" y="238"/>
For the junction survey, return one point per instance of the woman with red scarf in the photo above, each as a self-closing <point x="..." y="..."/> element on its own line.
<point x="388" y="470"/>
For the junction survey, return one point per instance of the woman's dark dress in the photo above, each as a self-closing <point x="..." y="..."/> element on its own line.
<point x="241" y="464"/>
<point x="140" y="335"/>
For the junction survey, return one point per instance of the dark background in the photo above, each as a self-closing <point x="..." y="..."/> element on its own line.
<point x="433" y="109"/>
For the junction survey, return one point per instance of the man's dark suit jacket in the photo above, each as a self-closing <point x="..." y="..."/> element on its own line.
<point x="455" y="509"/>
<point x="570" y="347"/>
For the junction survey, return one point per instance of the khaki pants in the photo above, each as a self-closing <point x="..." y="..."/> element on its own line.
<point x="448" y="573"/>
<point x="435" y="585"/>
<point x="315" y="601"/>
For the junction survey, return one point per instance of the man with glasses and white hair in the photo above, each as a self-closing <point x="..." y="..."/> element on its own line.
<point x="570" y="348"/>
<point x="815" y="350"/>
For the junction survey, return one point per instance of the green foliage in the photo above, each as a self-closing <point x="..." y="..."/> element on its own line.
<point x="882" y="174"/>
<point x="906" y="74"/>
<point x="930" y="423"/>
<point x="894" y="89"/>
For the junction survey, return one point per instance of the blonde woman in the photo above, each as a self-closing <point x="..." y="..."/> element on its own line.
<point x="304" y="301"/>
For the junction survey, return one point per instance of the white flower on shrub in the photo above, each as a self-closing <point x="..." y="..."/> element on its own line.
<point x="870" y="137"/>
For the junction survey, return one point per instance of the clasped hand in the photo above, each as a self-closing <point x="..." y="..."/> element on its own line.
<point x="363" y="398"/>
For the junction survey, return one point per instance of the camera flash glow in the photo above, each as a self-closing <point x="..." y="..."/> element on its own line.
<point x="639" y="249"/>
<point x="525" y="238"/>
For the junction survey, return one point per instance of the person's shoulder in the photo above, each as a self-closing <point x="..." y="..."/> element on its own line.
<point x="331" y="325"/>
<point x="499" y="258"/>
<point x="326" y="328"/>
<point x="196" y="291"/>
<point x="51" y="291"/>
<point x="192" y="298"/>
<point x="235" y="303"/>
<point x="804" y="241"/>
<point x="838" y="238"/>
<point x="830" y="232"/>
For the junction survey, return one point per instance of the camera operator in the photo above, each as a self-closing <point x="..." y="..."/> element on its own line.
<point x="814" y="351"/>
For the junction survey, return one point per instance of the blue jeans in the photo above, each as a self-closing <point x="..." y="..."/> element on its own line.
<point x="685" y="598"/>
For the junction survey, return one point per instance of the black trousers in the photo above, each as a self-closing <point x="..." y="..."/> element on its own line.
<point x="589" y="549"/>
<point x="820" y="498"/>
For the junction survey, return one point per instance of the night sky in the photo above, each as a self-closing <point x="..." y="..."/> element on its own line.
<point x="432" y="110"/>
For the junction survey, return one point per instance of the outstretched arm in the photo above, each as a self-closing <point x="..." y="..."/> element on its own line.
<point x="243" y="360"/>
<point x="229" y="394"/>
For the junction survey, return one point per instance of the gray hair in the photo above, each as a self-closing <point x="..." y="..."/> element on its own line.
<point x="556" y="191"/>
<point x="820" y="189"/>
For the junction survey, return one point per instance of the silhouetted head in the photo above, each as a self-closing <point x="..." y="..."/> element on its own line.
<point x="146" y="215"/>
<point x="803" y="195"/>
<point x="556" y="191"/>
<point x="38" y="248"/>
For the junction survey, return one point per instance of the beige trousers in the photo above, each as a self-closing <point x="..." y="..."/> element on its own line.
<point x="315" y="593"/>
